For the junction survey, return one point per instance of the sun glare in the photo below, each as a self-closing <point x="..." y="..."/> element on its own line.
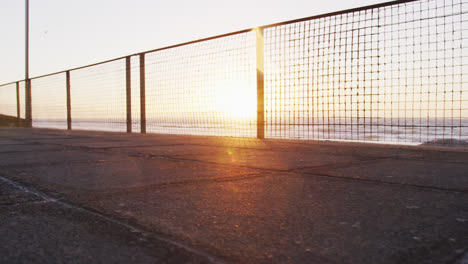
<point x="239" y="100"/>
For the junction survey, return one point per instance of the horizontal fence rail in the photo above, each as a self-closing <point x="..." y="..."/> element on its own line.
<point x="388" y="73"/>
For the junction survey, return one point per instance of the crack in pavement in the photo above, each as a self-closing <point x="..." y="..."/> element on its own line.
<point x="422" y="186"/>
<point x="23" y="203"/>
<point x="39" y="164"/>
<point x="119" y="191"/>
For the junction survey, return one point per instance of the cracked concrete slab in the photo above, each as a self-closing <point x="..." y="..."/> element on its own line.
<point x="291" y="218"/>
<point x="244" y="200"/>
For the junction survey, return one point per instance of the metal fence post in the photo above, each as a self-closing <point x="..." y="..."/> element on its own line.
<point x="18" y="108"/>
<point x="142" y="94"/>
<point x="69" y="119"/>
<point x="260" y="85"/>
<point x="28" y="102"/>
<point x="128" y="77"/>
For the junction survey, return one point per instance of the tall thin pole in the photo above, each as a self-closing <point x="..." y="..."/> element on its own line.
<point x="28" y="100"/>
<point x="27" y="40"/>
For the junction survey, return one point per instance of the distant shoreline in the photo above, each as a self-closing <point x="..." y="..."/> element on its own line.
<point x="394" y="131"/>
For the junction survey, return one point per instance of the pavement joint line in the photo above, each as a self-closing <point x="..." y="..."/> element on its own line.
<point x="130" y="227"/>
<point x="341" y="164"/>
<point x="275" y="148"/>
<point x="57" y="132"/>
<point x="224" y="146"/>
<point x="285" y="149"/>
<point x="13" y="144"/>
<point x="206" y="162"/>
<point x="26" y="151"/>
<point x="156" y="145"/>
<point x="139" y="146"/>
<point x="23" y="203"/>
<point x="28" y="140"/>
<point x="39" y="164"/>
<point x="406" y="158"/>
<point x="119" y="191"/>
<point x="429" y="187"/>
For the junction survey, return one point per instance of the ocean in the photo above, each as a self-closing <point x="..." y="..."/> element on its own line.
<point x="378" y="130"/>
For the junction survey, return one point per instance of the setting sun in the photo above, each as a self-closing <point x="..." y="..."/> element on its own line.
<point x="239" y="100"/>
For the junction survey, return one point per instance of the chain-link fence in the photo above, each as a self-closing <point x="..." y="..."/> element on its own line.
<point x="392" y="72"/>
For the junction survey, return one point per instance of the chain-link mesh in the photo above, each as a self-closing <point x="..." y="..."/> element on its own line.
<point x="388" y="74"/>
<point x="8" y="100"/>
<point x="49" y="101"/>
<point x="22" y="99"/>
<point x="98" y="97"/>
<point x="206" y="88"/>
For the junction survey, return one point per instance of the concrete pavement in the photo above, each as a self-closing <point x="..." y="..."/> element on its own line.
<point x="81" y="196"/>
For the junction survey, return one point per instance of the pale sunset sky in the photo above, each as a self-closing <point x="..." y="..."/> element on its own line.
<point x="72" y="33"/>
